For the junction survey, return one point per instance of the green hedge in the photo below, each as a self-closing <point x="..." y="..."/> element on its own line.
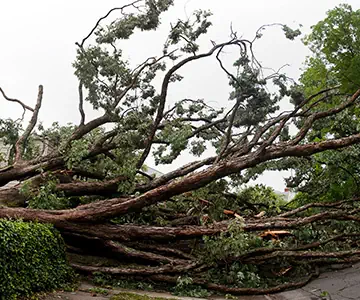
<point x="32" y="259"/>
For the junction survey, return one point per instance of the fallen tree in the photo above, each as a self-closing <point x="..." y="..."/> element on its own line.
<point x="92" y="185"/>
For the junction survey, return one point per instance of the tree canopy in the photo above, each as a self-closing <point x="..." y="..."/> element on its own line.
<point x="333" y="42"/>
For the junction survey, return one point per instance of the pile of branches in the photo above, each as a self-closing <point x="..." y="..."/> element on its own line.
<point x="284" y="256"/>
<point x="287" y="249"/>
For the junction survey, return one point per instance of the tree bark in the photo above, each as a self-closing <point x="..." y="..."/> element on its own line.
<point x="11" y="197"/>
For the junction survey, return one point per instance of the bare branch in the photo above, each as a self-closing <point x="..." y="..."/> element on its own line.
<point x="24" y="106"/>
<point x="81" y="104"/>
<point x="20" y="144"/>
<point x="242" y="291"/>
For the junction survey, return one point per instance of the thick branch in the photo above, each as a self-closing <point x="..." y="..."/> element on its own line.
<point x="212" y="173"/>
<point x="90" y="188"/>
<point x="49" y="162"/>
<point x="86" y="128"/>
<point x="184" y="170"/>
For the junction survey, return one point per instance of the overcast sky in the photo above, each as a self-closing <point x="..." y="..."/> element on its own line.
<point x="38" y="47"/>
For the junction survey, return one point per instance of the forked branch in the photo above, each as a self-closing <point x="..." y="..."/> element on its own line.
<point x="164" y="92"/>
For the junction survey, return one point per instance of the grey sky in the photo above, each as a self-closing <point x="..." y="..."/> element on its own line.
<point x="38" y="47"/>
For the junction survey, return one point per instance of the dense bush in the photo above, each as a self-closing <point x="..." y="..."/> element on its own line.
<point x="32" y="259"/>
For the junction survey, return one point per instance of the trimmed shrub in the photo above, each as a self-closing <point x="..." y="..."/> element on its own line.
<point x="32" y="259"/>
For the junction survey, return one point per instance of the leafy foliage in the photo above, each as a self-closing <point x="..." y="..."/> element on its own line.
<point x="32" y="258"/>
<point x="9" y="131"/>
<point x="185" y="288"/>
<point x="238" y="275"/>
<point x="46" y="196"/>
<point x="233" y="242"/>
<point x="334" y="41"/>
